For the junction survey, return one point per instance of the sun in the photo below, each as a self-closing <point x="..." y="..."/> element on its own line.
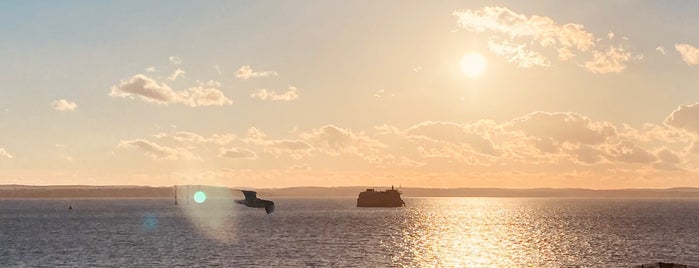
<point x="473" y="65"/>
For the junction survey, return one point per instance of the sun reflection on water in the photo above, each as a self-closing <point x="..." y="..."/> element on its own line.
<point x="469" y="232"/>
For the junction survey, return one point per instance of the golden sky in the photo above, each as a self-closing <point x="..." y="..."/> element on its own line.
<point x="274" y="94"/>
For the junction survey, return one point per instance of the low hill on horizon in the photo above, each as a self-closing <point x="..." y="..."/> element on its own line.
<point x="126" y="191"/>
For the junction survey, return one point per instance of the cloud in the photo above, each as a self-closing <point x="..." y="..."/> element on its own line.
<point x="237" y="153"/>
<point x="264" y="94"/>
<point x="246" y="72"/>
<point x="661" y="49"/>
<point x="151" y="69"/>
<point x="203" y="96"/>
<point x="63" y="105"/>
<point x="334" y="140"/>
<point x="177" y="74"/>
<point x="611" y="61"/>
<point x="189" y="137"/>
<point x="302" y="167"/>
<point x="690" y="54"/>
<point x="175" y="60"/>
<point x="4" y="153"/>
<point x="668" y="156"/>
<point x="563" y="127"/>
<point x="453" y="133"/>
<point x="521" y="39"/>
<point x="146" y="89"/>
<point x="685" y="117"/>
<point x="156" y="151"/>
<point x="289" y="145"/>
<point x="379" y="93"/>
<point x="518" y="54"/>
<point x="628" y="152"/>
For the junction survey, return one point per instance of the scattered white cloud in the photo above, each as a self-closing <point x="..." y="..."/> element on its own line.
<point x="379" y="93"/>
<point x="63" y="105"/>
<point x="189" y="137"/>
<point x="175" y="60"/>
<point x="156" y="151"/>
<point x="179" y="73"/>
<point x="543" y="143"/>
<point x="265" y="94"/>
<point x="522" y="39"/>
<point x="690" y="54"/>
<point x="237" y="153"/>
<point x="417" y="69"/>
<point x="151" y="69"/>
<point x="518" y="54"/>
<point x="661" y="50"/>
<point x="246" y="72"/>
<point x="203" y="96"/>
<point x="218" y="69"/>
<point x="146" y="89"/>
<point x="612" y="61"/>
<point x="4" y="153"/>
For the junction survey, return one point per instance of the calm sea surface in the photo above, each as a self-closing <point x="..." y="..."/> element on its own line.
<point x="428" y="232"/>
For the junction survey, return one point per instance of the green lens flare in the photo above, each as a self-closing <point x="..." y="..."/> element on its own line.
<point x="199" y="197"/>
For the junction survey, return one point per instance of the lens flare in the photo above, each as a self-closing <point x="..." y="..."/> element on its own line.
<point x="199" y="197"/>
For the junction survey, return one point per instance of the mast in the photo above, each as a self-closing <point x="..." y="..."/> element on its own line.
<point x="175" y="186"/>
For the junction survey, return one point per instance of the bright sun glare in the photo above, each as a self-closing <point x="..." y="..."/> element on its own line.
<point x="473" y="65"/>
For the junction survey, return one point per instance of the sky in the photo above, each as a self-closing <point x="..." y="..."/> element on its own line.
<point x="512" y="94"/>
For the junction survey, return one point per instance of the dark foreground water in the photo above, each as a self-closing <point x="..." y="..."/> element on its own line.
<point x="429" y="232"/>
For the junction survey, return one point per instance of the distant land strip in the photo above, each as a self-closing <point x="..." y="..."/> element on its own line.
<point x="82" y="191"/>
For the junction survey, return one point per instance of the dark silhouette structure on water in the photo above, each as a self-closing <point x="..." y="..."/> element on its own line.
<point x="372" y="198"/>
<point x="252" y="201"/>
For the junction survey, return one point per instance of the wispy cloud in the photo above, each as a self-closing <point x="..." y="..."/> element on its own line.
<point x="237" y="153"/>
<point x="518" y="54"/>
<point x="246" y="72"/>
<point x="177" y="74"/>
<point x="63" y="105"/>
<point x="690" y="54"/>
<point x="175" y="60"/>
<point x="205" y="94"/>
<point x="661" y="49"/>
<point x="147" y="89"/>
<point x="265" y="94"/>
<point x="4" y="153"/>
<point x="611" y="61"/>
<point x="156" y="151"/>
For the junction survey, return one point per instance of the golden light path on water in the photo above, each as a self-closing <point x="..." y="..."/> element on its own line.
<point x="477" y="234"/>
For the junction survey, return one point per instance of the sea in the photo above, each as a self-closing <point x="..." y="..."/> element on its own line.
<point x="333" y="232"/>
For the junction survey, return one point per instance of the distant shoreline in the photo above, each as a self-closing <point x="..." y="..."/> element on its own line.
<point x="125" y="191"/>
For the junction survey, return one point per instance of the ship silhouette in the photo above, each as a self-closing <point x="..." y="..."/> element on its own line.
<point x="372" y="198"/>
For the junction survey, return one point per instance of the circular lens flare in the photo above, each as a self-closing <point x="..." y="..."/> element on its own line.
<point x="473" y="65"/>
<point x="199" y="197"/>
